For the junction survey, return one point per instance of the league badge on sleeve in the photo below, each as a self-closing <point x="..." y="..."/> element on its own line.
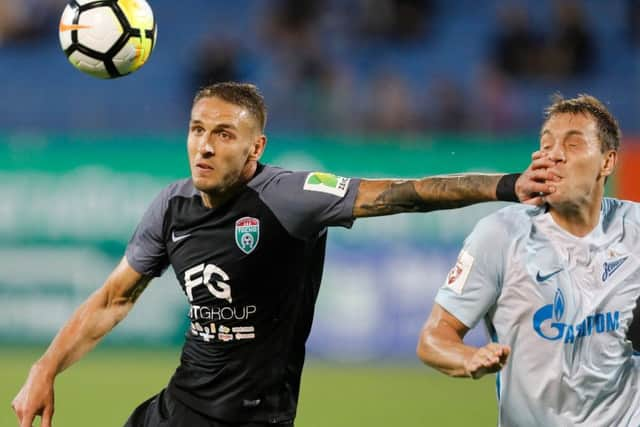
<point x="326" y="183"/>
<point x="457" y="277"/>
<point x="247" y="234"/>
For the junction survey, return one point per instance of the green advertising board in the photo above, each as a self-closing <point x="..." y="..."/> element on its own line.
<point x="70" y="204"/>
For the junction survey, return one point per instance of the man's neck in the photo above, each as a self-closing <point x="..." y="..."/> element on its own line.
<point x="577" y="220"/>
<point x="214" y="199"/>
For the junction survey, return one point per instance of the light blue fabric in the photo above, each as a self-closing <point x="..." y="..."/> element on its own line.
<point x="564" y="304"/>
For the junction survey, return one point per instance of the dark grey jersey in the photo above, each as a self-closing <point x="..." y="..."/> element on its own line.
<point x="251" y="271"/>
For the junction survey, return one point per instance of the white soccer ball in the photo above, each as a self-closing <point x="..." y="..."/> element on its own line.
<point x="107" y="38"/>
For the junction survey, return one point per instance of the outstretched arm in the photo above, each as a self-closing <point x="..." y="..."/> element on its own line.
<point x="386" y="197"/>
<point x="441" y="347"/>
<point x="103" y="310"/>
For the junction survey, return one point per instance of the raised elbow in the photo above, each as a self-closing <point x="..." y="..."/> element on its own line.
<point x="424" y="350"/>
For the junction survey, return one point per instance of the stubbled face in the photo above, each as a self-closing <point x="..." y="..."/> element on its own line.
<point x="224" y="143"/>
<point x="571" y="142"/>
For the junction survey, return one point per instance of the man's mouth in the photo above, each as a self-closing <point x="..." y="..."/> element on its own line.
<point x="203" y="166"/>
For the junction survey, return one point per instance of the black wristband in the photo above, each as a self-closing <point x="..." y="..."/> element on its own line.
<point x="506" y="188"/>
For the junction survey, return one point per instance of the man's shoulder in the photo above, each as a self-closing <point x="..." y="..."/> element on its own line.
<point x="505" y="225"/>
<point x="513" y="216"/>
<point x="180" y="188"/>
<point x="615" y="209"/>
<point x="265" y="175"/>
<point x="611" y="205"/>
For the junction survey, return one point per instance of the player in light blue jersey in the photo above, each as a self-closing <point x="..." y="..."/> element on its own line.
<point x="556" y="287"/>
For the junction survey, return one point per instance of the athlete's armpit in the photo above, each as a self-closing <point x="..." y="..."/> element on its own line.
<point x="386" y="197"/>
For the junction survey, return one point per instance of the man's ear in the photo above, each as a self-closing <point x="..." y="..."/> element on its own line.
<point x="257" y="148"/>
<point x="609" y="163"/>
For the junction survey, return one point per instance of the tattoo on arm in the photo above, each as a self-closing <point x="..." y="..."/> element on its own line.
<point x="134" y="293"/>
<point x="442" y="192"/>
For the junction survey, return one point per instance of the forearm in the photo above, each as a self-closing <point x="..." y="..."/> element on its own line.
<point x="452" y="191"/>
<point x="387" y="197"/>
<point x="90" y="322"/>
<point x="447" y="355"/>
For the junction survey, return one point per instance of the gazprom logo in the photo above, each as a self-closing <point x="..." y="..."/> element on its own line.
<point x="547" y="322"/>
<point x="558" y="305"/>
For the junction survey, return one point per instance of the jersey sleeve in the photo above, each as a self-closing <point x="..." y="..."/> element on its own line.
<point x="146" y="251"/>
<point x="473" y="284"/>
<point x="307" y="202"/>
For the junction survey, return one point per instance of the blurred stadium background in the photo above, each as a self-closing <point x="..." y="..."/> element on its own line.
<point x="357" y="87"/>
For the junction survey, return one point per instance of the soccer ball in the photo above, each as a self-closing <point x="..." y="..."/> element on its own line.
<point x="107" y="38"/>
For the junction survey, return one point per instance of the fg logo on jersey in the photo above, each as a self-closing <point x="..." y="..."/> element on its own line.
<point x="209" y="275"/>
<point x="247" y="234"/>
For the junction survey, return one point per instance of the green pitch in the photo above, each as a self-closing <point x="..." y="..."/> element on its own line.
<point x="106" y="386"/>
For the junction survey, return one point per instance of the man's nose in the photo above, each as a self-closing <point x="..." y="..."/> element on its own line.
<point x="206" y="147"/>
<point x="556" y="153"/>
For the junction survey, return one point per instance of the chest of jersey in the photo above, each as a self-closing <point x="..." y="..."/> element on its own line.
<point x="565" y="307"/>
<point x="567" y="294"/>
<point x="237" y="265"/>
<point x="231" y="252"/>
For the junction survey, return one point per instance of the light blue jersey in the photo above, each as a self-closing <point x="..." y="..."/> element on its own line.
<point x="564" y="304"/>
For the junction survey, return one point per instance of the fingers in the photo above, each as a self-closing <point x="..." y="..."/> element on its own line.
<point x="493" y="352"/>
<point x="541" y="163"/>
<point x="504" y="357"/>
<point x="499" y="350"/>
<point x="47" y="415"/>
<point x="530" y="186"/>
<point x="27" y="408"/>
<point x="534" y="188"/>
<point x="488" y="359"/>
<point x="535" y="201"/>
<point x="27" y="419"/>
<point x="17" y="408"/>
<point x="540" y="175"/>
<point x="537" y="181"/>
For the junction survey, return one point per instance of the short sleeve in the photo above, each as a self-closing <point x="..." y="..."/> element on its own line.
<point x="307" y="202"/>
<point x="474" y="283"/>
<point x="146" y="251"/>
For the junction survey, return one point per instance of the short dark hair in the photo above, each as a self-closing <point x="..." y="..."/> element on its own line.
<point x="608" y="130"/>
<point x="243" y="94"/>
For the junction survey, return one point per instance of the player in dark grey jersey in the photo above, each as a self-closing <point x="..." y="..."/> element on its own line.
<point x="247" y="244"/>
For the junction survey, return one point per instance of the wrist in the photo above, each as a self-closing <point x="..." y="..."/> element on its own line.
<point x="44" y="368"/>
<point x="506" y="188"/>
<point x="466" y="371"/>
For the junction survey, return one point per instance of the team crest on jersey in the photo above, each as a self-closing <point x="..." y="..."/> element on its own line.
<point x="608" y="268"/>
<point x="247" y="234"/>
<point x="457" y="277"/>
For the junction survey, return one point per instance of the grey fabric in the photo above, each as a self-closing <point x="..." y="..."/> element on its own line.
<point x="304" y="213"/>
<point x="146" y="251"/>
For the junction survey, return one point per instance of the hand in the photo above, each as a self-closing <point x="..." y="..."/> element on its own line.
<point x="35" y="398"/>
<point x="486" y="360"/>
<point x="536" y="182"/>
